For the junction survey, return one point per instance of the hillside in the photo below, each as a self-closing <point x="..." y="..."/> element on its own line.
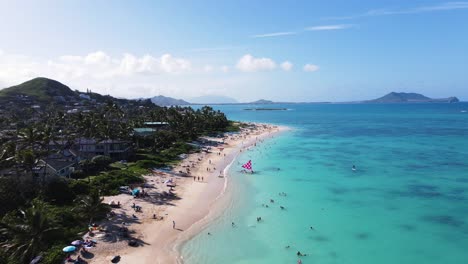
<point x="43" y="91"/>
<point x="39" y="88"/>
<point x="395" y="97"/>
<point x="167" y="101"/>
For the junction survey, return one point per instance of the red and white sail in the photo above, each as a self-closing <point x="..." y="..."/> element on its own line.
<point x="247" y="165"/>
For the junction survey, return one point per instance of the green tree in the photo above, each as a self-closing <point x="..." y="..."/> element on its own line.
<point x="29" y="233"/>
<point x="90" y="206"/>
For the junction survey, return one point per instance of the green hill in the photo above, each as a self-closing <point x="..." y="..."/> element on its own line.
<point x="167" y="101"/>
<point x="43" y="91"/>
<point x="40" y="88"/>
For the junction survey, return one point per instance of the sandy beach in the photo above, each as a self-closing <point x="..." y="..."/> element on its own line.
<point x="200" y="180"/>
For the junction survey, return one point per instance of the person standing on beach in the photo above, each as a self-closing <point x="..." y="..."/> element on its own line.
<point x="173" y="224"/>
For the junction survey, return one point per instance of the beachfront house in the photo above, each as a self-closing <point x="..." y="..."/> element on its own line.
<point x="55" y="167"/>
<point x="59" y="163"/>
<point x="113" y="148"/>
<point x="87" y="148"/>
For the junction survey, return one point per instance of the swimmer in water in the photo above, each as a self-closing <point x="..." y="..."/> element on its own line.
<point x="282" y="207"/>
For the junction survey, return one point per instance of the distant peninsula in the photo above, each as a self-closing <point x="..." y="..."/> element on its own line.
<point x="265" y="109"/>
<point x="395" y="97"/>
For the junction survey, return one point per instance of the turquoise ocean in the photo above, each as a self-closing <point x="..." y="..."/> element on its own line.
<point x="406" y="203"/>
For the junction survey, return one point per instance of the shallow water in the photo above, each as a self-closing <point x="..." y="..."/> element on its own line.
<point x="405" y="203"/>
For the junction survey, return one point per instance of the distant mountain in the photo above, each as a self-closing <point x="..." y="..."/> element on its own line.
<point x="167" y="101"/>
<point x="262" y="101"/>
<point x="39" y="88"/>
<point x="395" y="97"/>
<point x="213" y="99"/>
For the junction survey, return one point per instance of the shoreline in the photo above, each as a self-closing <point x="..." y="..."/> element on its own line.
<point x="198" y="203"/>
<point x="218" y="205"/>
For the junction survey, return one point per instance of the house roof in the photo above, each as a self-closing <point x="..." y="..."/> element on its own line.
<point x="58" y="164"/>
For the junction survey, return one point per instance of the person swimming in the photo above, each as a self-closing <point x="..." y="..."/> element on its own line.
<point x="353" y="168"/>
<point x="282" y="207"/>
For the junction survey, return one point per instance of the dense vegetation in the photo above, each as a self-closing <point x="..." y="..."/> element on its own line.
<point x="40" y="214"/>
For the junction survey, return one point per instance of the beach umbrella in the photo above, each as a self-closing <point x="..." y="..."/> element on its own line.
<point x="167" y="181"/>
<point x="135" y="191"/>
<point x="76" y="243"/>
<point x="69" y="249"/>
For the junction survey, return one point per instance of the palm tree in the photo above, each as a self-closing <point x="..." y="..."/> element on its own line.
<point x="29" y="234"/>
<point x="90" y="205"/>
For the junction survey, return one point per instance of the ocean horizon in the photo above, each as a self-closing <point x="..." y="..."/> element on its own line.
<point x="404" y="203"/>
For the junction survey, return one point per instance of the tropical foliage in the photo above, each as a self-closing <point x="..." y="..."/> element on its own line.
<point x="39" y="213"/>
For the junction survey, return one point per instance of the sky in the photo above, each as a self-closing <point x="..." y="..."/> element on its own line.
<point x="278" y="50"/>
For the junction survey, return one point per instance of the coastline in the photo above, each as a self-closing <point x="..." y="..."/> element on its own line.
<point x="218" y="205"/>
<point x="199" y="203"/>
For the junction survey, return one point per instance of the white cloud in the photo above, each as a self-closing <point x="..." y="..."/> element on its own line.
<point x="444" y="6"/>
<point x="286" y="66"/>
<point x="275" y="34"/>
<point x="96" y="69"/>
<point x="447" y="6"/>
<point x="1" y="52"/>
<point x="174" y="65"/>
<point x="148" y="64"/>
<point x="328" y="27"/>
<point x="248" y="63"/>
<point x="310" y="68"/>
<point x="98" y="57"/>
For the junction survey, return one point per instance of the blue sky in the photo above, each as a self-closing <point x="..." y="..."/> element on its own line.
<point x="279" y="50"/>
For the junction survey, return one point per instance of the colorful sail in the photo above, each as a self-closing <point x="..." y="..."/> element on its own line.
<point x="248" y="165"/>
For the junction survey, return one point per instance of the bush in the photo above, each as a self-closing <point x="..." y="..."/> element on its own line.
<point x="78" y="174"/>
<point x="108" y="183"/>
<point x="100" y="162"/>
<point x="53" y="256"/>
<point x="80" y="187"/>
<point x="58" y="191"/>
<point x="148" y="164"/>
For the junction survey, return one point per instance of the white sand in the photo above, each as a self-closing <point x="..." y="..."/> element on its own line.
<point x="198" y="204"/>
